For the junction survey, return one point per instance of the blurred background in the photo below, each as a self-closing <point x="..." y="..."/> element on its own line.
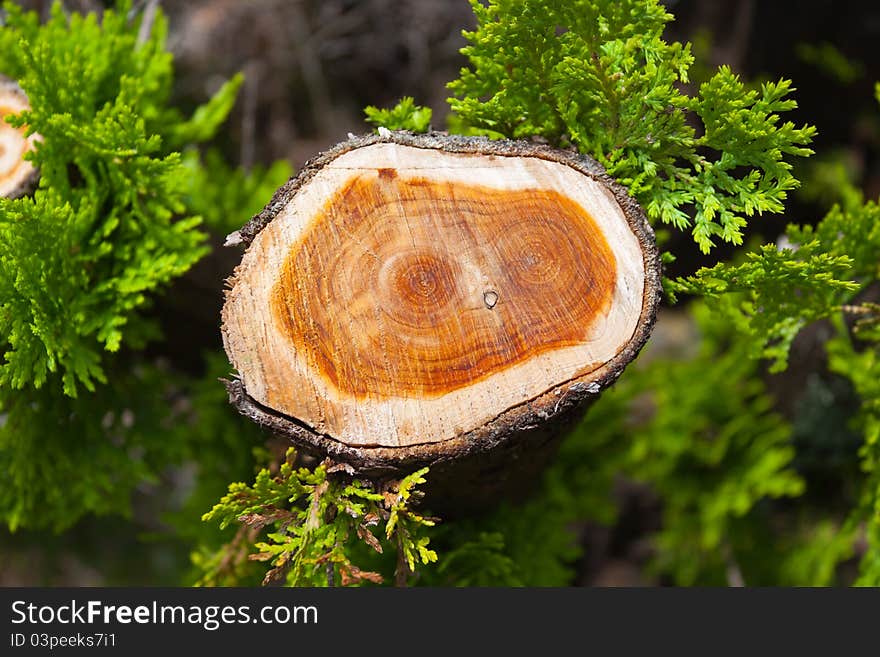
<point x="310" y="68"/>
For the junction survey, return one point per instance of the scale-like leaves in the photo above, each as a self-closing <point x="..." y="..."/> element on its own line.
<point x="597" y="75"/>
<point x="108" y="224"/>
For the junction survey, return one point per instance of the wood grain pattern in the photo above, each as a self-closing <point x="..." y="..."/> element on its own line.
<point x="399" y="295"/>
<point x="400" y="308"/>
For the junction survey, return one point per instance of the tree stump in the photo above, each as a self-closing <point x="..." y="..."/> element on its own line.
<point x="17" y="175"/>
<point x="455" y="302"/>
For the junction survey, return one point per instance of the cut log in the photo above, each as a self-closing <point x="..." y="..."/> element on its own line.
<point x="413" y="300"/>
<point x="17" y="175"/>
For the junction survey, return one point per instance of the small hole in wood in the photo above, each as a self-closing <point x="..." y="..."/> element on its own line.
<point x="490" y="298"/>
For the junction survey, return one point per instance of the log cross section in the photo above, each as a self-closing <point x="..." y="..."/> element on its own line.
<point x="406" y="292"/>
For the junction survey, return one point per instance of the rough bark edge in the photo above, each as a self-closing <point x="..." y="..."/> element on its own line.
<point x="552" y="408"/>
<point x="29" y="182"/>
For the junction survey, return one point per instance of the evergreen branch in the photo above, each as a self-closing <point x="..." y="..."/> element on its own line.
<point x="774" y="293"/>
<point x="406" y="115"/>
<point x="597" y="75"/>
<point x="314" y="520"/>
<point x="778" y="291"/>
<point x="111" y="192"/>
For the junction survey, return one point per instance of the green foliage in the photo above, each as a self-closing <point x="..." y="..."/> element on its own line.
<point x="206" y="119"/>
<point x="225" y="196"/>
<point x="862" y="367"/>
<point x="825" y="272"/>
<point x="479" y="561"/>
<point x="406" y="526"/>
<point x="111" y="224"/>
<point x="774" y="293"/>
<point x="406" y="115"/>
<point x="597" y="74"/>
<point x="64" y="457"/>
<point x="714" y="449"/>
<point x="851" y="230"/>
<point x="778" y="291"/>
<point x="51" y="480"/>
<point x="311" y="517"/>
<point x="220" y="444"/>
<point x="498" y="548"/>
<point x="111" y="192"/>
<point x="828" y="179"/>
<point x="701" y="430"/>
<point x="827" y="58"/>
